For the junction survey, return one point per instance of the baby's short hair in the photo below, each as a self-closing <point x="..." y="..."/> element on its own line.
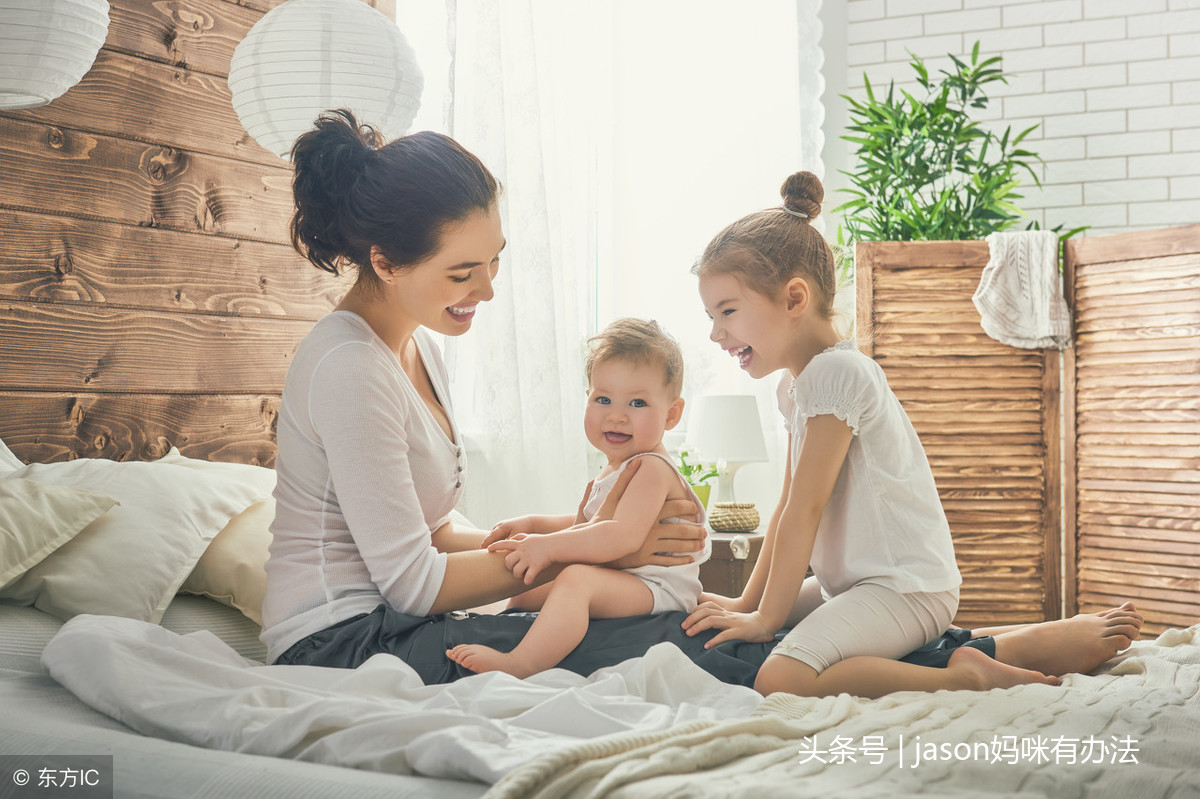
<point x="638" y="341"/>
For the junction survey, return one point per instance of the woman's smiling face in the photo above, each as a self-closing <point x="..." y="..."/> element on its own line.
<point x="746" y="324"/>
<point x="442" y="292"/>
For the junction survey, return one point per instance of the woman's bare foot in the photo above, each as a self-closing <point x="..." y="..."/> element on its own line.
<point x="479" y="658"/>
<point x="975" y="671"/>
<point x="1075" y="645"/>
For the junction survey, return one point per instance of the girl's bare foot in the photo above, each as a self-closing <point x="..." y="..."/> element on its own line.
<point x="975" y="671"/>
<point x="1078" y="644"/>
<point x="479" y="658"/>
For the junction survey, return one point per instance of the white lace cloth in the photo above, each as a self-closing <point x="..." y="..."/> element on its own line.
<point x="1020" y="297"/>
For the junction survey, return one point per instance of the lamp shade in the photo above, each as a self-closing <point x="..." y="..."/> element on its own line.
<point x="727" y="426"/>
<point x="46" y="47"/>
<point x="309" y="56"/>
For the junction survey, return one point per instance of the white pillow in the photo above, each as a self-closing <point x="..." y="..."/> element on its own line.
<point x="260" y="477"/>
<point x="36" y="519"/>
<point x="130" y="561"/>
<point x="9" y="462"/>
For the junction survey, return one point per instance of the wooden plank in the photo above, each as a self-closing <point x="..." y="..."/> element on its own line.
<point x="1119" y="306"/>
<point x="1132" y="246"/>
<point x="1168" y="588"/>
<point x="1140" y="440"/>
<point x="1147" y="533"/>
<point x="1139" y="275"/>
<point x="1181" y="414"/>
<point x="1090" y="425"/>
<point x="1132" y="399"/>
<point x="127" y="97"/>
<point x="915" y="342"/>
<point x="1141" y="317"/>
<point x="42" y="427"/>
<point x="904" y="254"/>
<point x="198" y="34"/>
<point x="1101" y="507"/>
<point x="62" y="259"/>
<point x="1050" y="495"/>
<point x="1181" y="491"/>
<point x="60" y="171"/>
<point x="864" y="280"/>
<point x="1145" y="549"/>
<point x="1134" y="469"/>
<point x="82" y="348"/>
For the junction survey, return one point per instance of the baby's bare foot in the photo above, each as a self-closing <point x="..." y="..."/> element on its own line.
<point x="977" y="672"/>
<point x="479" y="658"/>
<point x="1065" y="646"/>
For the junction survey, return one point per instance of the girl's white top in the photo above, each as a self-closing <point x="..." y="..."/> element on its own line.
<point x="365" y="474"/>
<point x="884" y="522"/>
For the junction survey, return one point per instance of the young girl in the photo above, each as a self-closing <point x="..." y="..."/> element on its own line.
<point x="859" y="503"/>
<point x="635" y="374"/>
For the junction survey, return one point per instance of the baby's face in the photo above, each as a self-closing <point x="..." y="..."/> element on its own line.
<point x="629" y="407"/>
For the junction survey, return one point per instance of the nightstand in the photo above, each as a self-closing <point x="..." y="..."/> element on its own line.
<point x="733" y="557"/>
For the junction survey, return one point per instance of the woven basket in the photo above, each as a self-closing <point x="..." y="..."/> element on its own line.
<point x="733" y="517"/>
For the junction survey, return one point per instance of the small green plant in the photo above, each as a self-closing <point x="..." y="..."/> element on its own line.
<point x="927" y="170"/>
<point x="695" y="473"/>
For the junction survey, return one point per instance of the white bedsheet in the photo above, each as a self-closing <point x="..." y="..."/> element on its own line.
<point x="380" y="717"/>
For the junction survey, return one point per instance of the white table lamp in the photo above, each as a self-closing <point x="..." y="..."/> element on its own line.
<point x="726" y="427"/>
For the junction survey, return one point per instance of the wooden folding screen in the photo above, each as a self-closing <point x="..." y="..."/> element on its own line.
<point x="987" y="413"/>
<point x="1133" y="491"/>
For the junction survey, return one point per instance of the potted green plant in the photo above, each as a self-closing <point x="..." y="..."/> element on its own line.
<point x="697" y="474"/>
<point x="927" y="170"/>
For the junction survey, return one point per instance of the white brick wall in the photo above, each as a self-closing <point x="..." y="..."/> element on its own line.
<point x="1113" y="84"/>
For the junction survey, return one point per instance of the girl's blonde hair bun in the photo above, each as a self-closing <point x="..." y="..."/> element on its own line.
<point x="802" y="192"/>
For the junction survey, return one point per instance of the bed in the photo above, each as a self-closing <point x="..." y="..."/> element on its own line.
<point x="95" y="662"/>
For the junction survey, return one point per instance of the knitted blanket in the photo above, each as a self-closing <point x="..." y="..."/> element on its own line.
<point x="1131" y="729"/>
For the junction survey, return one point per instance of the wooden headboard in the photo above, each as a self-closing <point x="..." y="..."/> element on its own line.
<point x="148" y="295"/>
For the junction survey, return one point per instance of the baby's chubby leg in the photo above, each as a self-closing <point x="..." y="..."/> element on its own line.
<point x="579" y="593"/>
<point x="533" y="599"/>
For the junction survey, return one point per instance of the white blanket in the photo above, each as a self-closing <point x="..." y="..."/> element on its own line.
<point x="194" y="689"/>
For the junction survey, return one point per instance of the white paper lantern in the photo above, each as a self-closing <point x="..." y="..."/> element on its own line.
<point x="309" y="56"/>
<point x="46" y="47"/>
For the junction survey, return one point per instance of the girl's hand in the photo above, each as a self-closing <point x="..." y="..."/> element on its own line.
<point x="528" y="554"/>
<point x="734" y="626"/>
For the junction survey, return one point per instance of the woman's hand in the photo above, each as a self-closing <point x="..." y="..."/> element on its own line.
<point x="521" y="525"/>
<point x="734" y="626"/>
<point x="670" y="537"/>
<point x="528" y="554"/>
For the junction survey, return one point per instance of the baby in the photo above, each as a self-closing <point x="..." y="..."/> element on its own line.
<point x="635" y="375"/>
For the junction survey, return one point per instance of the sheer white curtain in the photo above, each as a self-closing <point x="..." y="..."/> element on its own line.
<point x="527" y="99"/>
<point x="626" y="134"/>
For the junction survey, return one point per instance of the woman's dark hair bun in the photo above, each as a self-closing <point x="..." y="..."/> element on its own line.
<point x="802" y="192"/>
<point x="327" y="161"/>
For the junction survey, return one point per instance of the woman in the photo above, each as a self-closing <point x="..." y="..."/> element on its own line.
<point x="364" y="558"/>
<point x="370" y="463"/>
